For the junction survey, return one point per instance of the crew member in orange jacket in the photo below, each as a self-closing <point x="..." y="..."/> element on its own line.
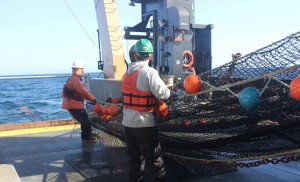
<point x="73" y="94"/>
<point x="142" y="87"/>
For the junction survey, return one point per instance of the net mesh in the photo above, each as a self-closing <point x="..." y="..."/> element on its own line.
<point x="211" y="127"/>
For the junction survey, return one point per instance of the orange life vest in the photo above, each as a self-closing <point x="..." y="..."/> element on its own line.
<point x="135" y="99"/>
<point x="70" y="93"/>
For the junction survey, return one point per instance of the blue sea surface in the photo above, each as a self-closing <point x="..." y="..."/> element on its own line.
<point x="33" y="99"/>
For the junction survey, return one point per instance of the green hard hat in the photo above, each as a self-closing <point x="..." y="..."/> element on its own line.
<point x="143" y="46"/>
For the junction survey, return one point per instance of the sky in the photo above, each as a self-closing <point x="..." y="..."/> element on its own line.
<point x="43" y="37"/>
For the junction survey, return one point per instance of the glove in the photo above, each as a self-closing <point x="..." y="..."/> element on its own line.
<point x="95" y="101"/>
<point x="108" y="100"/>
<point x="174" y="95"/>
<point x="113" y="100"/>
<point x="162" y="109"/>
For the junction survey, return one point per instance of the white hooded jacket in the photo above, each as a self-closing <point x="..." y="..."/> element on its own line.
<point x="148" y="80"/>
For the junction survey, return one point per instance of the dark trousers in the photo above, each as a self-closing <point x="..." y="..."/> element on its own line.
<point x="143" y="144"/>
<point x="82" y="117"/>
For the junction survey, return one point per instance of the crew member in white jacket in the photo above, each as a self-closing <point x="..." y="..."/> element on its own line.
<point x="142" y="88"/>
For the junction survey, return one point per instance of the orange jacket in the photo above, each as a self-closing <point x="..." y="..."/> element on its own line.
<point x="79" y="93"/>
<point x="135" y="99"/>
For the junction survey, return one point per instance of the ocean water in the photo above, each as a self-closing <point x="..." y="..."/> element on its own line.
<point x="33" y="99"/>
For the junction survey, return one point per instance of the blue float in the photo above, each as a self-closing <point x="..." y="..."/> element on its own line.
<point x="249" y="98"/>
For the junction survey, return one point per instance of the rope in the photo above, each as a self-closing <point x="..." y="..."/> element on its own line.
<point x="77" y="20"/>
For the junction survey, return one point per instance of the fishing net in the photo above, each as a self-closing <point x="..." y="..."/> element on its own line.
<point x="210" y="127"/>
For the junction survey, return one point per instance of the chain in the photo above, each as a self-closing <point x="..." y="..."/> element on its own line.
<point x="273" y="160"/>
<point x="234" y="163"/>
<point x="232" y="156"/>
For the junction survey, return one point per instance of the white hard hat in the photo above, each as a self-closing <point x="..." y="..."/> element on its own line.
<point x="77" y="64"/>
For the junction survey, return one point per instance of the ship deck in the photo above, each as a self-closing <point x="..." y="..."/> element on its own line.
<point x="57" y="154"/>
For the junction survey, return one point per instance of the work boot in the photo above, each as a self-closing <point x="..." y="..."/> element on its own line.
<point x="95" y="135"/>
<point x="90" y="140"/>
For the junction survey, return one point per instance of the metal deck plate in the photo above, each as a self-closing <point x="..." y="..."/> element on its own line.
<point x="108" y="164"/>
<point x="111" y="164"/>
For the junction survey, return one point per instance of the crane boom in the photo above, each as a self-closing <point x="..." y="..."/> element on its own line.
<point x="111" y="39"/>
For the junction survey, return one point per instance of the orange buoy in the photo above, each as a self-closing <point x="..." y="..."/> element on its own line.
<point x="162" y="109"/>
<point x="192" y="84"/>
<point x="295" y="88"/>
<point x="105" y="109"/>
<point x="97" y="108"/>
<point x="113" y="110"/>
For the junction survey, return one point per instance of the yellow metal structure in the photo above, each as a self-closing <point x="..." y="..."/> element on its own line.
<point x="111" y="39"/>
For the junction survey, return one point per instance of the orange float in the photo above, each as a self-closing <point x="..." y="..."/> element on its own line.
<point x="295" y="88"/>
<point x="186" y="122"/>
<point x="162" y="109"/>
<point x="202" y="121"/>
<point x="192" y="84"/>
<point x="113" y="110"/>
<point x="105" y="109"/>
<point x="97" y="108"/>
<point x="172" y="122"/>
